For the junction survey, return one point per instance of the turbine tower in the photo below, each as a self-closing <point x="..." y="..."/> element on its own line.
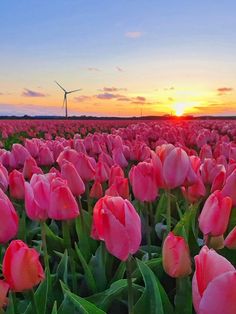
<point x="65" y="97"/>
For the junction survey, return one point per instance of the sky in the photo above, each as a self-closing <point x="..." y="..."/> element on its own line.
<point x="130" y="58"/>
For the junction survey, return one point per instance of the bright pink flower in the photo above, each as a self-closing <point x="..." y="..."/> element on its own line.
<point x="214" y="217"/>
<point x="20" y="154"/>
<point x="143" y="181"/>
<point x="4" y="287"/>
<point x="115" y="171"/>
<point x="102" y="171"/>
<point x="45" y="157"/>
<point x="21" y="267"/>
<point x="119" y="158"/>
<point x="74" y="181"/>
<point x="230" y="241"/>
<point x="214" y="284"/>
<point x="175" y="168"/>
<point x="85" y="166"/>
<point x="116" y="222"/>
<point x="96" y="190"/>
<point x="194" y="192"/>
<point x="229" y="188"/>
<point x="62" y="204"/>
<point x="176" y="256"/>
<point x="16" y="185"/>
<point x="9" y="219"/>
<point x="29" y="167"/>
<point x="37" y="194"/>
<point x="4" y="180"/>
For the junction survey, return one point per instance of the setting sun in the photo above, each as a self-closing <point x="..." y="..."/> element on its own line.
<point x="179" y="109"/>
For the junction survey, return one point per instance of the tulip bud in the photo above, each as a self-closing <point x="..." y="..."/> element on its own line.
<point x="4" y="287"/>
<point x="143" y="181"/>
<point x="176" y="256"/>
<point x="215" y="214"/>
<point x="116" y="222"/>
<point x="9" y="219"/>
<point x="21" y="267"/>
<point x="16" y="185"/>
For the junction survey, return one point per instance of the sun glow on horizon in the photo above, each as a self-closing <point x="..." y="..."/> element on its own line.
<point x="179" y="108"/>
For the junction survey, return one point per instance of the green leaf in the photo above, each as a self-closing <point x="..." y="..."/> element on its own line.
<point x="54" y="243"/>
<point x="81" y="304"/>
<point x="120" y="271"/>
<point x="10" y="307"/>
<point x="62" y="269"/>
<point x="150" y="301"/>
<point x="41" y="296"/>
<point x="87" y="271"/>
<point x="97" y="265"/>
<point x="83" y="229"/>
<point x="54" y="309"/>
<point x="161" y="208"/>
<point x="105" y="298"/>
<point x="183" y="297"/>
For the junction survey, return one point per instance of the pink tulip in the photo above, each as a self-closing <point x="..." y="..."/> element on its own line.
<point x="16" y="185"/>
<point x="176" y="256"/>
<point x="102" y="171"/>
<point x="4" y="287"/>
<point x="45" y="157"/>
<point x="96" y="190"/>
<point x="115" y="171"/>
<point x="9" y="219"/>
<point x="37" y="194"/>
<point x="214" y="284"/>
<point x="229" y="188"/>
<point x="20" y="154"/>
<point x="116" y="222"/>
<point x="85" y="166"/>
<point x="74" y="181"/>
<point x="62" y="204"/>
<point x="120" y="187"/>
<point x="175" y="168"/>
<point x="21" y="267"/>
<point x="143" y="181"/>
<point x="215" y="214"/>
<point x="230" y="241"/>
<point x="4" y="180"/>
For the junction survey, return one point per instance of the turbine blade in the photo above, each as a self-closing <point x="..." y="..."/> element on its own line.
<point x="60" y="86"/>
<point x="72" y="91"/>
<point x="64" y="100"/>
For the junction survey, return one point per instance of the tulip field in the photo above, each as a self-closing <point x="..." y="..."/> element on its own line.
<point x="118" y="216"/>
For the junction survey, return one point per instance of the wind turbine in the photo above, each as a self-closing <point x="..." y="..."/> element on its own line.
<point x="65" y="96"/>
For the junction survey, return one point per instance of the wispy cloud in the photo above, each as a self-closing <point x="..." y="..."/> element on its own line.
<point x="93" y="69"/>
<point x="81" y="98"/>
<point x="119" y="69"/>
<point x="113" y="89"/>
<point x="133" y="35"/>
<point x="108" y="96"/>
<point x="224" y="90"/>
<point x="31" y="93"/>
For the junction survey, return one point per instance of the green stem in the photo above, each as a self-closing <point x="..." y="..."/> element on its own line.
<point x="67" y="241"/>
<point x="81" y="212"/>
<point x="88" y="197"/>
<point x="148" y="234"/>
<point x="130" y="288"/>
<point x="22" y="227"/>
<point x="33" y="301"/>
<point x="168" y="211"/>
<point x="45" y="252"/>
<point x="14" y="301"/>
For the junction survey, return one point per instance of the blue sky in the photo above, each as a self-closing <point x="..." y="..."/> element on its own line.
<point x="143" y="47"/>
